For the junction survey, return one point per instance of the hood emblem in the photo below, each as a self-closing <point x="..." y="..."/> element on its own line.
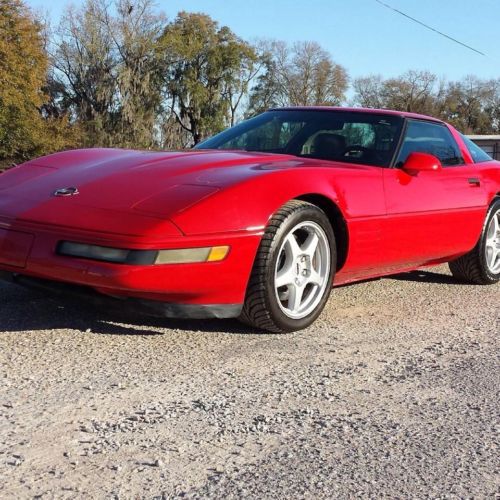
<point x="69" y="191"/>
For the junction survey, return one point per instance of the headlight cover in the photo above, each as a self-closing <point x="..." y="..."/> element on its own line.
<point x="142" y="257"/>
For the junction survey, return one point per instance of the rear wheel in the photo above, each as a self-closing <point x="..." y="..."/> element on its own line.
<point x="293" y="271"/>
<point x="482" y="264"/>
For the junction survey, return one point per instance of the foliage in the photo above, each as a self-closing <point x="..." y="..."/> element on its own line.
<point x="117" y="73"/>
<point x="23" y="74"/>
<point x="107" y="69"/>
<point x="471" y="105"/>
<point x="301" y="75"/>
<point x="207" y="69"/>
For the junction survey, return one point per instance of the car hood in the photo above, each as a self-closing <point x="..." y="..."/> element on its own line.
<point x="110" y="181"/>
<point x="114" y="180"/>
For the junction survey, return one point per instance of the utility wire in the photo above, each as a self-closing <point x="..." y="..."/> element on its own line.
<point x="432" y="29"/>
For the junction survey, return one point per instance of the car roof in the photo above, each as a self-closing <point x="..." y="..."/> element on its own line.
<point x="359" y="110"/>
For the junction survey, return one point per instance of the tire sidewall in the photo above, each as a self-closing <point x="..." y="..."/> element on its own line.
<point x="494" y="208"/>
<point x="312" y="214"/>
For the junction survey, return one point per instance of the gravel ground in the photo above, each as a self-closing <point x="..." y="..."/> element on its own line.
<point x="394" y="392"/>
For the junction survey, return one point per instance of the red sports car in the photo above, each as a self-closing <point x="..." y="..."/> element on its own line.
<point x="259" y="221"/>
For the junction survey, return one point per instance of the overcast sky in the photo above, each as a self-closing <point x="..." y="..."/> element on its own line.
<point x="362" y="35"/>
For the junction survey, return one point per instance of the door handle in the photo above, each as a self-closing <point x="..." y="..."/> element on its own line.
<point x="474" y="182"/>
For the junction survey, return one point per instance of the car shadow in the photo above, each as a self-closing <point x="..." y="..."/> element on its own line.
<point x="425" y="277"/>
<point x="24" y="310"/>
<point x="418" y="276"/>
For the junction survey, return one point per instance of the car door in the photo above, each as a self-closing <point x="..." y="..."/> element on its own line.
<point x="432" y="215"/>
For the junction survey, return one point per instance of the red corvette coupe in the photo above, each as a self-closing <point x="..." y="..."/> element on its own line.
<point x="259" y="221"/>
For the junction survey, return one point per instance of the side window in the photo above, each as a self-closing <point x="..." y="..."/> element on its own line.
<point x="432" y="138"/>
<point x="478" y="154"/>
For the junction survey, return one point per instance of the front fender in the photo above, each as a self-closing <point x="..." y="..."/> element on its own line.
<point x="248" y="205"/>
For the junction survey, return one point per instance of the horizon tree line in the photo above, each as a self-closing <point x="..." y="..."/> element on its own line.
<point x="123" y="75"/>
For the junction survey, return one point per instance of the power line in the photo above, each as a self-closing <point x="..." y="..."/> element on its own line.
<point x="432" y="29"/>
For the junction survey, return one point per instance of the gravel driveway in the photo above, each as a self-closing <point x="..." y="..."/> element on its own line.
<point x="393" y="392"/>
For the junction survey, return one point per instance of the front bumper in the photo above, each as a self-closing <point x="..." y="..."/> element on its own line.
<point x="204" y="285"/>
<point x="140" y="306"/>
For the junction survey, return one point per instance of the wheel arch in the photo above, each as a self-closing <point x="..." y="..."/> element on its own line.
<point x="337" y="220"/>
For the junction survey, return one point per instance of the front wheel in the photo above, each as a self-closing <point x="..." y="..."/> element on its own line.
<point x="293" y="271"/>
<point x="482" y="264"/>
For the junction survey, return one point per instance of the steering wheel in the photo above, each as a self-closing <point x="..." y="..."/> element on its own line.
<point x="355" y="148"/>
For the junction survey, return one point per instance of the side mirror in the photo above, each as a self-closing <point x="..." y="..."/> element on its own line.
<point x="421" y="162"/>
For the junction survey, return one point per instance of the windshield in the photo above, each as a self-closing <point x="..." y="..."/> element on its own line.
<point x="354" y="137"/>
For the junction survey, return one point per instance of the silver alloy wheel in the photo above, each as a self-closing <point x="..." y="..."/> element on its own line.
<point x="302" y="269"/>
<point x="492" y="246"/>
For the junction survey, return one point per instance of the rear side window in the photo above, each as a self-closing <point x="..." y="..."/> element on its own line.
<point x="478" y="154"/>
<point x="431" y="138"/>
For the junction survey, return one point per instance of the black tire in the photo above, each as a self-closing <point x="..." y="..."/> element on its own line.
<point x="261" y="308"/>
<point x="472" y="266"/>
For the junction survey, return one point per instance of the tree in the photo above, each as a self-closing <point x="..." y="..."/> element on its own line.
<point x="236" y="85"/>
<point x="206" y="71"/>
<point x="301" y="75"/>
<point x="266" y="93"/>
<point x="84" y="62"/>
<point x="108" y="72"/>
<point x="312" y="78"/>
<point x="471" y="105"/>
<point x="135" y="32"/>
<point x="414" y="91"/>
<point x="368" y="91"/>
<point x="492" y="106"/>
<point x="23" y="72"/>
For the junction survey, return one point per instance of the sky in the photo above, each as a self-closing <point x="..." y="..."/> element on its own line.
<point x="362" y="35"/>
